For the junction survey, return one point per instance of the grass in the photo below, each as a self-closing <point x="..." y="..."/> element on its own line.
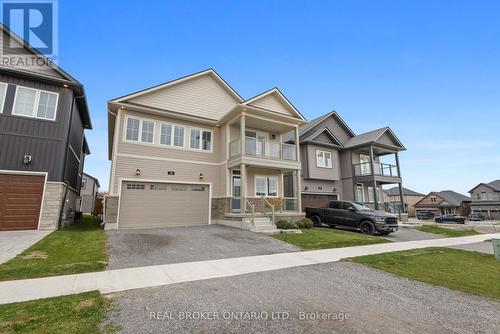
<point x="456" y="269"/>
<point x="81" y="247"/>
<point x="80" y="313"/>
<point x="448" y="232"/>
<point x="321" y="238"/>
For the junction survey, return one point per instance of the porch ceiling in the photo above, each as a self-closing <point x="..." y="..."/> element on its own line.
<point x="268" y="125"/>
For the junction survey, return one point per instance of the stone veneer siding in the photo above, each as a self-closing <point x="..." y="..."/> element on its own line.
<point x="51" y="206"/>
<point x="110" y="211"/>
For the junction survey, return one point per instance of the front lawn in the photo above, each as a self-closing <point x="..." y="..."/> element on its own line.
<point x="448" y="232"/>
<point x="79" y="248"/>
<point x="81" y="313"/>
<point x="320" y="238"/>
<point x="456" y="269"/>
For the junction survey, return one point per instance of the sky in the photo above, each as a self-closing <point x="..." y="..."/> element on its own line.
<point x="427" y="69"/>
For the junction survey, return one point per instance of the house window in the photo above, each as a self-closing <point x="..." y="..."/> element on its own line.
<point x="433" y="199"/>
<point x="266" y="186"/>
<point x="84" y="184"/>
<point x="146" y="130"/>
<point x="3" y="93"/>
<point x="147" y="133"/>
<point x="35" y="103"/>
<point x="178" y="136"/>
<point x="132" y="129"/>
<point x="201" y="139"/>
<point x="323" y="159"/>
<point x="166" y="134"/>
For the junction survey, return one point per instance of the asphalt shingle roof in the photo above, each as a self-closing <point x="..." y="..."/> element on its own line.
<point x="453" y="197"/>
<point x="394" y="191"/>
<point x="365" y="138"/>
<point x="495" y="184"/>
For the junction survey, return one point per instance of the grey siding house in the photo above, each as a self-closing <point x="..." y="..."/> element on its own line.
<point x="88" y="193"/>
<point x="486" y="199"/>
<point x="338" y="164"/>
<point x="43" y="115"/>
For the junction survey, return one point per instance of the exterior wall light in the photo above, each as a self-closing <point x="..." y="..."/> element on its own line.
<point x="201" y="176"/>
<point x="137" y="172"/>
<point x="27" y="159"/>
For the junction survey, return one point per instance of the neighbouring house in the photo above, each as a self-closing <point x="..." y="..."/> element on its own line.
<point x="88" y="192"/>
<point x="338" y="164"/>
<point x="193" y="151"/>
<point x="444" y="202"/>
<point x="43" y="115"/>
<point x="393" y="202"/>
<point x="486" y="199"/>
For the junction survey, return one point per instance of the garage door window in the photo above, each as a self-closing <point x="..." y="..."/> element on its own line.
<point x="133" y="186"/>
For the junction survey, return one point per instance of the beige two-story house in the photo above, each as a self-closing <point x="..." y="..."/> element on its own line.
<point x="486" y="199"/>
<point x="193" y="151"/>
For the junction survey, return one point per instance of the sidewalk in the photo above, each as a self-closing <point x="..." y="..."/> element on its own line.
<point x="143" y="277"/>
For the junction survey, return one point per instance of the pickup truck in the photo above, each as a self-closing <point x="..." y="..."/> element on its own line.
<point x="354" y="216"/>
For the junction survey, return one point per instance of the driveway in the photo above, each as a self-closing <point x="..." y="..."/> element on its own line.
<point x="377" y="302"/>
<point x="13" y="243"/>
<point x="144" y="247"/>
<point x="410" y="234"/>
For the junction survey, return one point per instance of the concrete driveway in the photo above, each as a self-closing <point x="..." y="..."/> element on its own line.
<point x="13" y="243"/>
<point x="144" y="247"/>
<point x="377" y="302"/>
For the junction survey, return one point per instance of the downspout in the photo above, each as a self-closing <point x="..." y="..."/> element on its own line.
<point x="64" y="164"/>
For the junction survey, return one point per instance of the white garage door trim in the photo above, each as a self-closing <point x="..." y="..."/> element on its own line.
<point x="120" y="184"/>
<point x="45" y="176"/>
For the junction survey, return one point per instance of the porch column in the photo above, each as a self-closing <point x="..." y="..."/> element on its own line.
<point x="298" y="191"/>
<point x="297" y="148"/>
<point x="372" y="163"/>
<point x="401" y="198"/>
<point x="243" y="188"/>
<point x="242" y="133"/>
<point x="375" y="195"/>
<point x="396" y="155"/>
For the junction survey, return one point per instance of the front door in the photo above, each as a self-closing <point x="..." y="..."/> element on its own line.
<point x="236" y="184"/>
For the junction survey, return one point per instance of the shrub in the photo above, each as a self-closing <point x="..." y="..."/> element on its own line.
<point x="286" y="225"/>
<point x="305" y="223"/>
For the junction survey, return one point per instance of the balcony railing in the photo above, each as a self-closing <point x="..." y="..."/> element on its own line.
<point x="382" y="169"/>
<point x="264" y="149"/>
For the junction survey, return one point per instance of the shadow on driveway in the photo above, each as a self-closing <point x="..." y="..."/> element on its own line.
<point x="145" y="247"/>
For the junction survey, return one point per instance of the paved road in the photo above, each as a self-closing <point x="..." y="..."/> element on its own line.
<point x="144" y="247"/>
<point x="13" y="243"/>
<point x="409" y="234"/>
<point x="377" y="302"/>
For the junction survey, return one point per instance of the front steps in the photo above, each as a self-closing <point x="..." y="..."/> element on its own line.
<point x="262" y="223"/>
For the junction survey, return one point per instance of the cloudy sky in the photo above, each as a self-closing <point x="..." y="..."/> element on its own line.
<point x="428" y="69"/>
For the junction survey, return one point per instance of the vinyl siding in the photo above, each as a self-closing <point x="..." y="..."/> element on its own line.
<point x="319" y="172"/>
<point x="386" y="139"/>
<point x="158" y="170"/>
<point x="162" y="151"/>
<point x="492" y="194"/>
<point x="271" y="102"/>
<point x="203" y="96"/>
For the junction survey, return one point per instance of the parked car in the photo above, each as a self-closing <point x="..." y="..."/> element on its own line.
<point x="353" y="216"/>
<point x="425" y="215"/>
<point x="476" y="217"/>
<point x="450" y="218"/>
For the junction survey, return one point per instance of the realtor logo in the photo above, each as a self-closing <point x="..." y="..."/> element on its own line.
<point x="35" y="22"/>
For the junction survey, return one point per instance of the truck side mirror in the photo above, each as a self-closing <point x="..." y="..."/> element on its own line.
<point x="352" y="209"/>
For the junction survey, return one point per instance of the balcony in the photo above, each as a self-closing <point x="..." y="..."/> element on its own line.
<point x="263" y="149"/>
<point x="380" y="169"/>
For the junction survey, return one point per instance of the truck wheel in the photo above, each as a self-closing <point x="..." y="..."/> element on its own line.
<point x="316" y="221"/>
<point x="367" y="227"/>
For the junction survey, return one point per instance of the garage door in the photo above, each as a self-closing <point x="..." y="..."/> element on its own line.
<point x="144" y="204"/>
<point x="20" y="201"/>
<point x="317" y="201"/>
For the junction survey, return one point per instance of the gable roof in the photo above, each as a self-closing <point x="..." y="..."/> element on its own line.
<point x="94" y="178"/>
<point x="59" y="76"/>
<point x="495" y="185"/>
<point x="273" y="98"/>
<point x="325" y="132"/>
<point x="372" y="137"/>
<point x="170" y="83"/>
<point x="394" y="191"/>
<point x="304" y="129"/>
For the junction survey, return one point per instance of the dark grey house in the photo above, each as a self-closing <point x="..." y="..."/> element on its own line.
<point x="43" y="115"/>
<point x="486" y="199"/>
<point x="338" y="164"/>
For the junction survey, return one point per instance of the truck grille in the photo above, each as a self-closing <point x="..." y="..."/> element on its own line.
<point x="391" y="220"/>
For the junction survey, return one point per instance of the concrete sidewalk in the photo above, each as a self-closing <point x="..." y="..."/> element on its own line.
<point x="13" y="243"/>
<point x="142" y="277"/>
